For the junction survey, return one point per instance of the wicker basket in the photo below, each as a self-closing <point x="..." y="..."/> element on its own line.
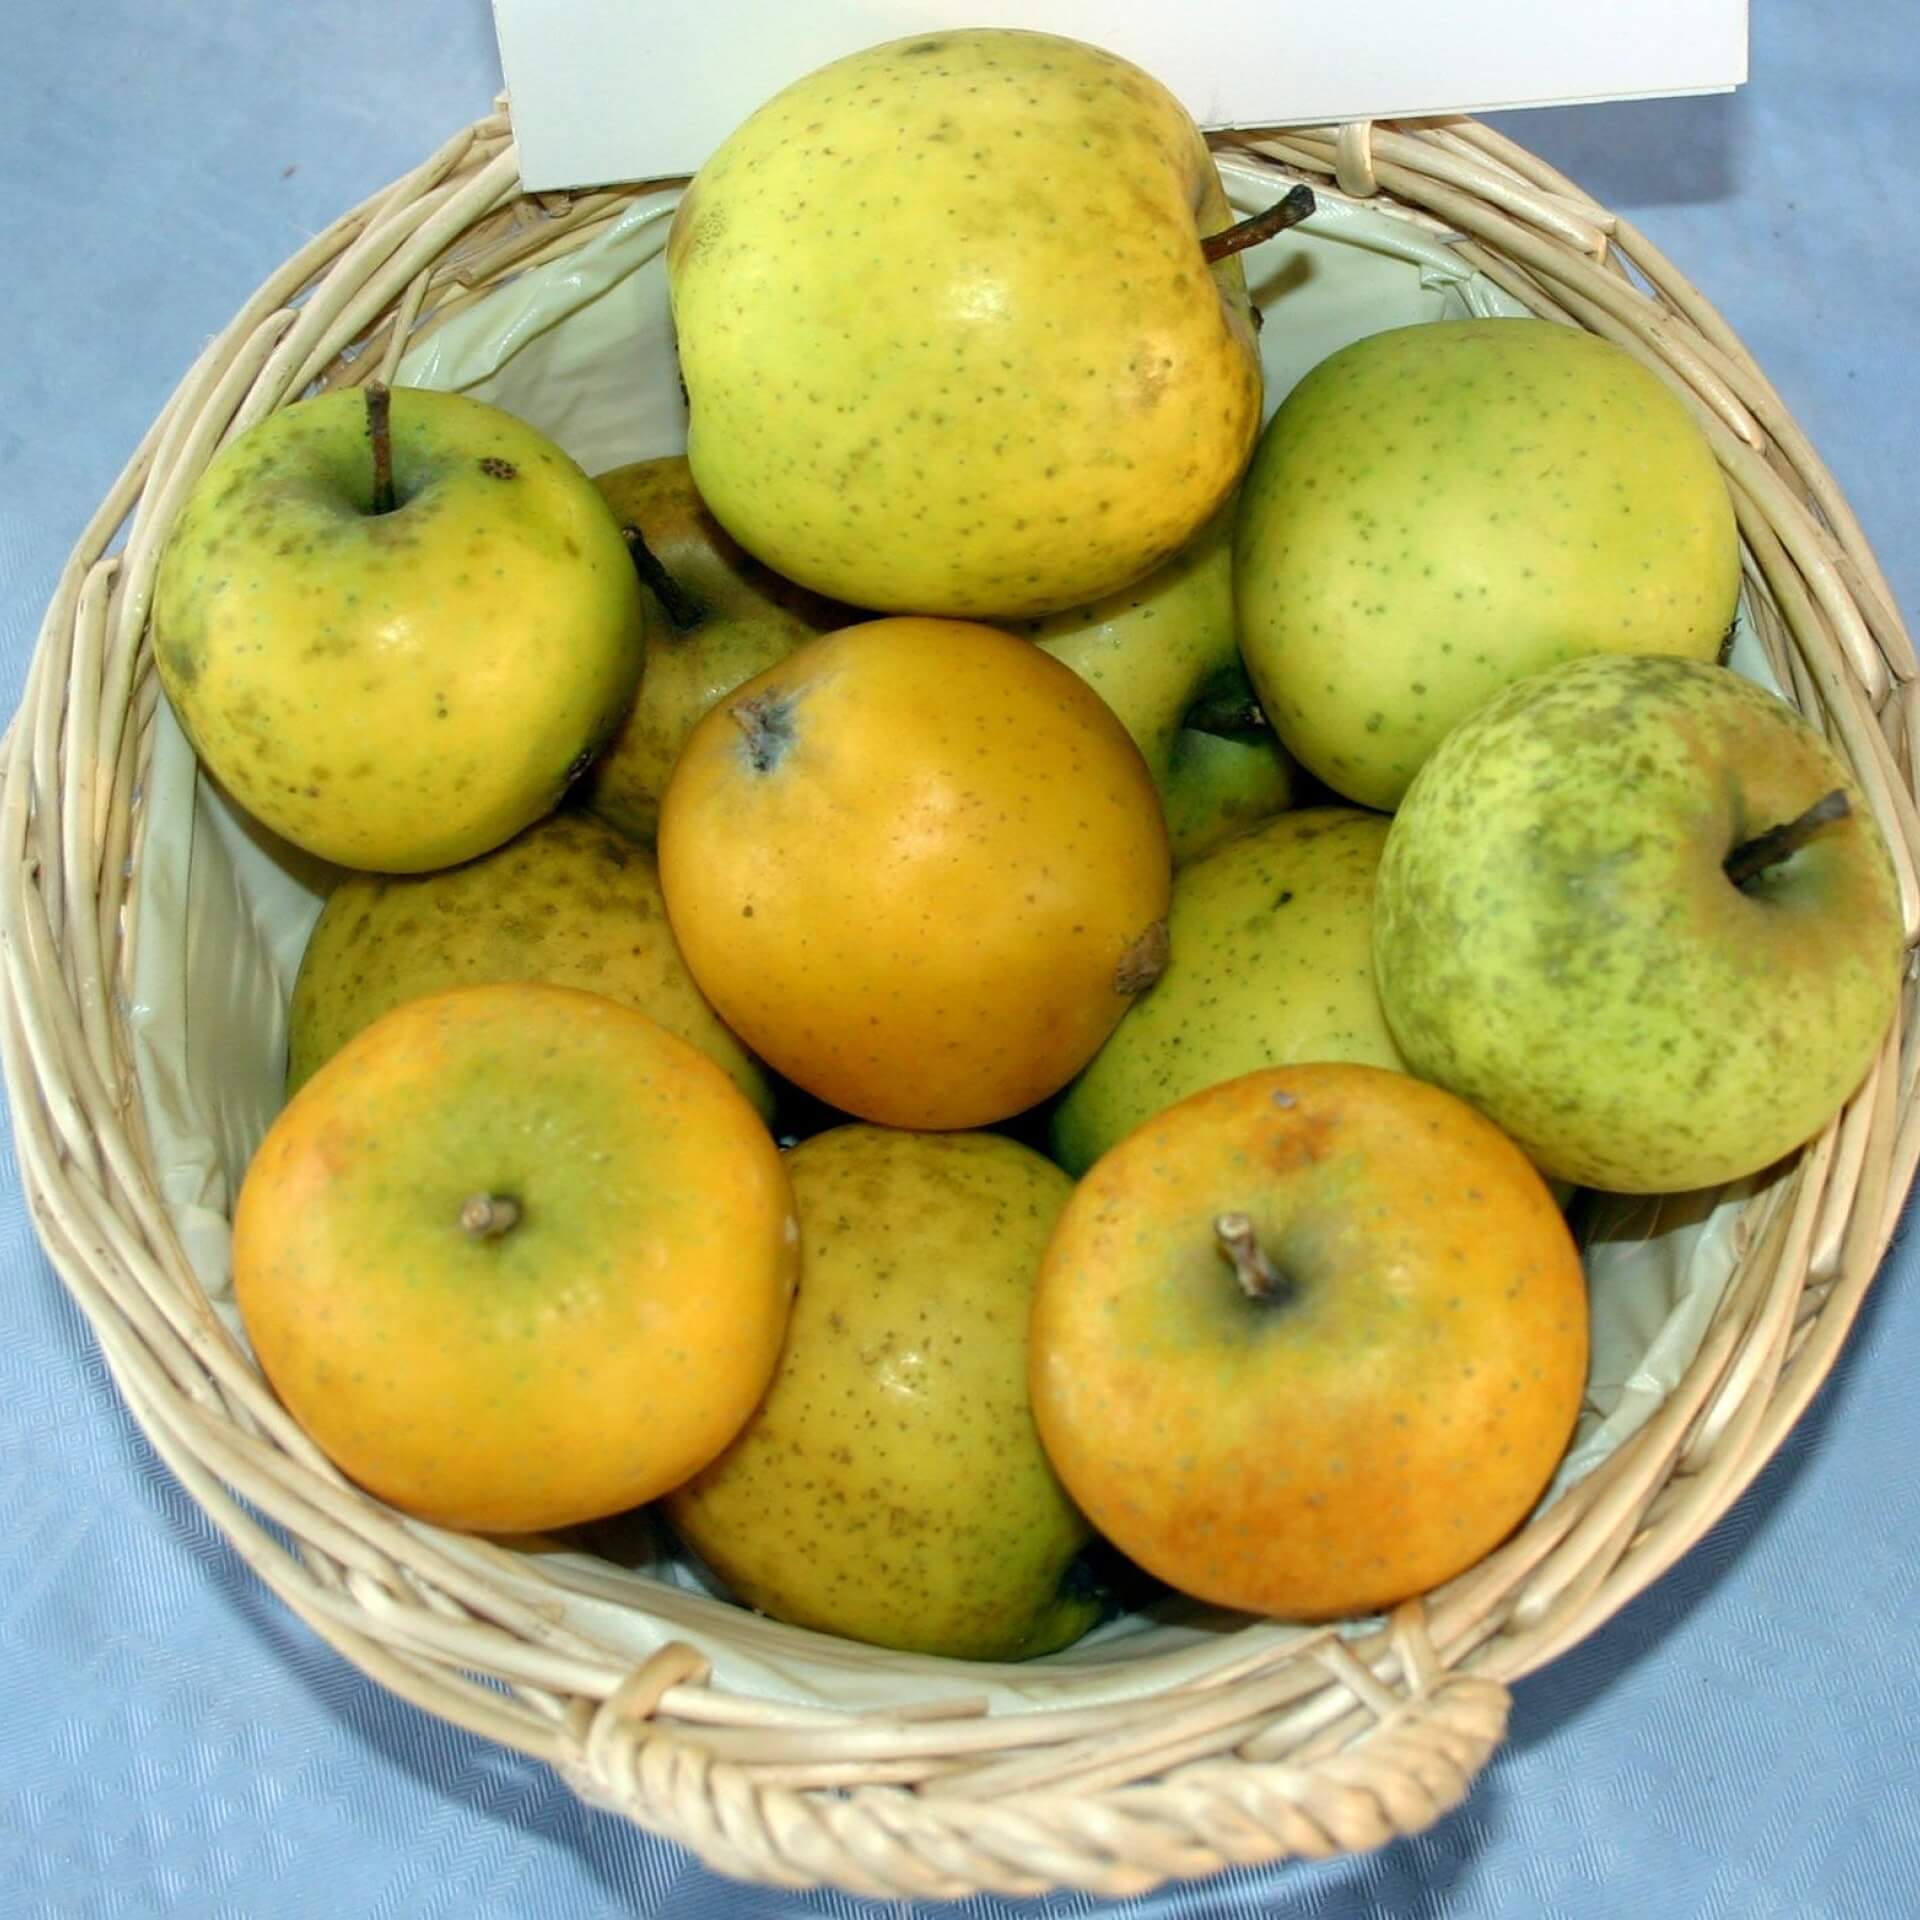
<point x="1276" y="1743"/>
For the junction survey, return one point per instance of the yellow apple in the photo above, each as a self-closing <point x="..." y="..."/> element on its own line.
<point x="396" y="644"/>
<point x="950" y="338"/>
<point x="890" y="1486"/>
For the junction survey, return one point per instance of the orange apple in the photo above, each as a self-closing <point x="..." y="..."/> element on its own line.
<point x="1309" y="1342"/>
<point x="516" y="1257"/>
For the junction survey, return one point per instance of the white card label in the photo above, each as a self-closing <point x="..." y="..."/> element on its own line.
<point x="617" y="90"/>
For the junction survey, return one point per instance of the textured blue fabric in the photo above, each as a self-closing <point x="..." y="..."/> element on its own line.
<point x="1735" y="1743"/>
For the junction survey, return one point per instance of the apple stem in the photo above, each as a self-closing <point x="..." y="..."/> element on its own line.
<point x="1259" y="1278"/>
<point x="1751" y="858"/>
<point x="380" y="432"/>
<point x="486" y="1216"/>
<point x="680" y="606"/>
<point x="1284" y="213"/>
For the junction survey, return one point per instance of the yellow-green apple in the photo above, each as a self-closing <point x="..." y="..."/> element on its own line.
<point x="1164" y="655"/>
<point x="1269" y="943"/>
<point x="397" y="638"/>
<point x="1219" y="783"/>
<point x="893" y="397"/>
<point x="890" y="1487"/>
<point x="1437" y="510"/>
<point x="715" y="618"/>
<point x="570" y="900"/>
<point x="1310" y="1341"/>
<point x="1637" y="911"/>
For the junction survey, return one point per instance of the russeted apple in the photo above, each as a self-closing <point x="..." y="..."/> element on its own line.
<point x="1638" y="912"/>
<point x="889" y="1486"/>
<point x="571" y="901"/>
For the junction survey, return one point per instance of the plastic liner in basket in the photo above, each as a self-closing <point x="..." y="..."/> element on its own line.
<point x="583" y="348"/>
<point x="150" y="935"/>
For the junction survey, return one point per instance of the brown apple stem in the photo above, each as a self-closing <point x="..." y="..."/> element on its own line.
<point x="1284" y="213"/>
<point x="486" y="1216"/>
<point x="1259" y="1278"/>
<point x="380" y="432"/>
<point x="680" y="606"/>
<point x="1751" y="858"/>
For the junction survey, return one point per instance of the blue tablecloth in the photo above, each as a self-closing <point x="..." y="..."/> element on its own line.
<point x="1736" y="1742"/>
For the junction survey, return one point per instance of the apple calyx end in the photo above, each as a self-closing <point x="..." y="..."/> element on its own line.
<point x="766" y="720"/>
<point x="1751" y="858"/>
<point x="1259" y="1278"/>
<point x="1288" y="211"/>
<point x="488" y="1216"/>
<point x="683" y="610"/>
<point x="1143" y="962"/>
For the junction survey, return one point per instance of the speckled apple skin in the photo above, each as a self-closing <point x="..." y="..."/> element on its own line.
<point x="396" y="692"/>
<point x="1270" y="962"/>
<point x="1438" y="510"/>
<point x="890" y="1487"/>
<point x="1556" y="939"/>
<point x="748" y="618"/>
<point x="949" y="340"/>
<point x="571" y="900"/>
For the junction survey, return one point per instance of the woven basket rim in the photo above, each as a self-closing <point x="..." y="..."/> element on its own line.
<point x="1334" y="1741"/>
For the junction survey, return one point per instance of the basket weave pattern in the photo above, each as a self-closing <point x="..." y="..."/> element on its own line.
<point x="1330" y="1742"/>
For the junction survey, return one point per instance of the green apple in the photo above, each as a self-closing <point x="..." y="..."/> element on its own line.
<point x="1270" y="963"/>
<point x="1220" y="783"/>
<point x="396" y="644"/>
<point x="893" y="397"/>
<point x="715" y="618"/>
<point x="1164" y="655"/>
<point x="1636" y="910"/>
<point x="1440" y="509"/>
<point x="571" y="901"/>
<point x="890" y="1487"/>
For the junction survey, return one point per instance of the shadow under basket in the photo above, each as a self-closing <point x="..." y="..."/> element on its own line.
<point x="1162" y="1748"/>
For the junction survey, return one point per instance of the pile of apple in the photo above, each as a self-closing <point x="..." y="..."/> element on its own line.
<point x="989" y="978"/>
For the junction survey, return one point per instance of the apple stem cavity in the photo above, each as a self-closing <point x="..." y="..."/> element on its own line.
<point x="1259" y="1278"/>
<point x="380" y="432"/>
<point x="1286" y="212"/>
<point x="486" y="1216"/>
<point x="1751" y="858"/>
<point x="1231" y="715"/>
<point x="680" y="607"/>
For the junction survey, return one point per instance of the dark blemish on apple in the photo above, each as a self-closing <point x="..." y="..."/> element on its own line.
<point x="497" y="469"/>
<point x="766" y="724"/>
